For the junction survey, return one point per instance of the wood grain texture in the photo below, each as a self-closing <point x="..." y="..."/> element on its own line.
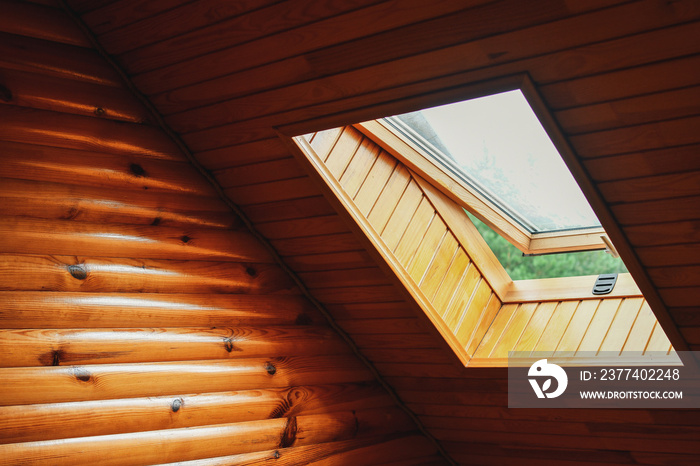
<point x="140" y="321"/>
<point x="592" y="62"/>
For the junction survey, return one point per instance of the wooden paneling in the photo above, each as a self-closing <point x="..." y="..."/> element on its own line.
<point x="140" y="321"/>
<point x="411" y="229"/>
<point x="604" y="67"/>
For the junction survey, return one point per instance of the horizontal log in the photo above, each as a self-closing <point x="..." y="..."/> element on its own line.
<point x="41" y="22"/>
<point x="94" y="168"/>
<point x="53" y="93"/>
<point x="104" y="417"/>
<point x="218" y="440"/>
<point x="46" y="128"/>
<point x="358" y="452"/>
<point x="35" y="236"/>
<point x="54" y="59"/>
<point x="54" y="201"/>
<point x="88" y="274"/>
<point x="32" y="385"/>
<point x="68" y="347"/>
<point x="45" y="309"/>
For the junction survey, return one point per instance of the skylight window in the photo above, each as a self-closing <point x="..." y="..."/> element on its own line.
<point x="497" y="145"/>
<point x="493" y="154"/>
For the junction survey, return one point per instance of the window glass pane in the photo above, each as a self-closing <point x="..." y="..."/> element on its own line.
<point x="497" y="145"/>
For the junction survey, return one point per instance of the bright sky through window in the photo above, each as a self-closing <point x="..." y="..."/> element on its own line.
<point x="497" y="145"/>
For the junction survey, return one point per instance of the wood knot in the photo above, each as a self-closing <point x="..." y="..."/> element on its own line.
<point x="78" y="271"/>
<point x="137" y="170"/>
<point x="185" y="239"/>
<point x="251" y="271"/>
<point x="176" y="404"/>
<point x="276" y="454"/>
<point x="156" y="221"/>
<point x="56" y="358"/>
<point x="82" y="374"/>
<point x="5" y="94"/>
<point x="99" y="111"/>
<point x="270" y="368"/>
<point x="289" y="434"/>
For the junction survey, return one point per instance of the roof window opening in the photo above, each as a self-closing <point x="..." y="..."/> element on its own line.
<point x="496" y="148"/>
<point x="528" y="267"/>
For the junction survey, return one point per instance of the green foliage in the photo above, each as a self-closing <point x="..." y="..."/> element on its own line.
<point x="570" y="264"/>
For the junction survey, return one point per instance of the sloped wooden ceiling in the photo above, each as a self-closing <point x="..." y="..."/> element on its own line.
<point x="621" y="79"/>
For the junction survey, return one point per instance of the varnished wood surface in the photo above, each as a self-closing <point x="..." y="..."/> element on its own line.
<point x="603" y="67"/>
<point x="140" y="321"/>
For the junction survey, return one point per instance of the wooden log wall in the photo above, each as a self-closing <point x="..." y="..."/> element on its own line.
<point x="620" y="78"/>
<point x="140" y="322"/>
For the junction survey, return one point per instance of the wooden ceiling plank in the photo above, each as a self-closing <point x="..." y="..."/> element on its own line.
<point x="182" y="22"/>
<point x="118" y="14"/>
<point x="591" y="59"/>
<point x="573" y="45"/>
<point x="634" y="111"/>
<point x="670" y="186"/>
<point x="296" y="69"/>
<point x="640" y="80"/>
<point x="649" y="136"/>
<point x="661" y="211"/>
<point x="298" y="228"/>
<point x="289" y="210"/>
<point x="256" y="173"/>
<point x="333" y="30"/>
